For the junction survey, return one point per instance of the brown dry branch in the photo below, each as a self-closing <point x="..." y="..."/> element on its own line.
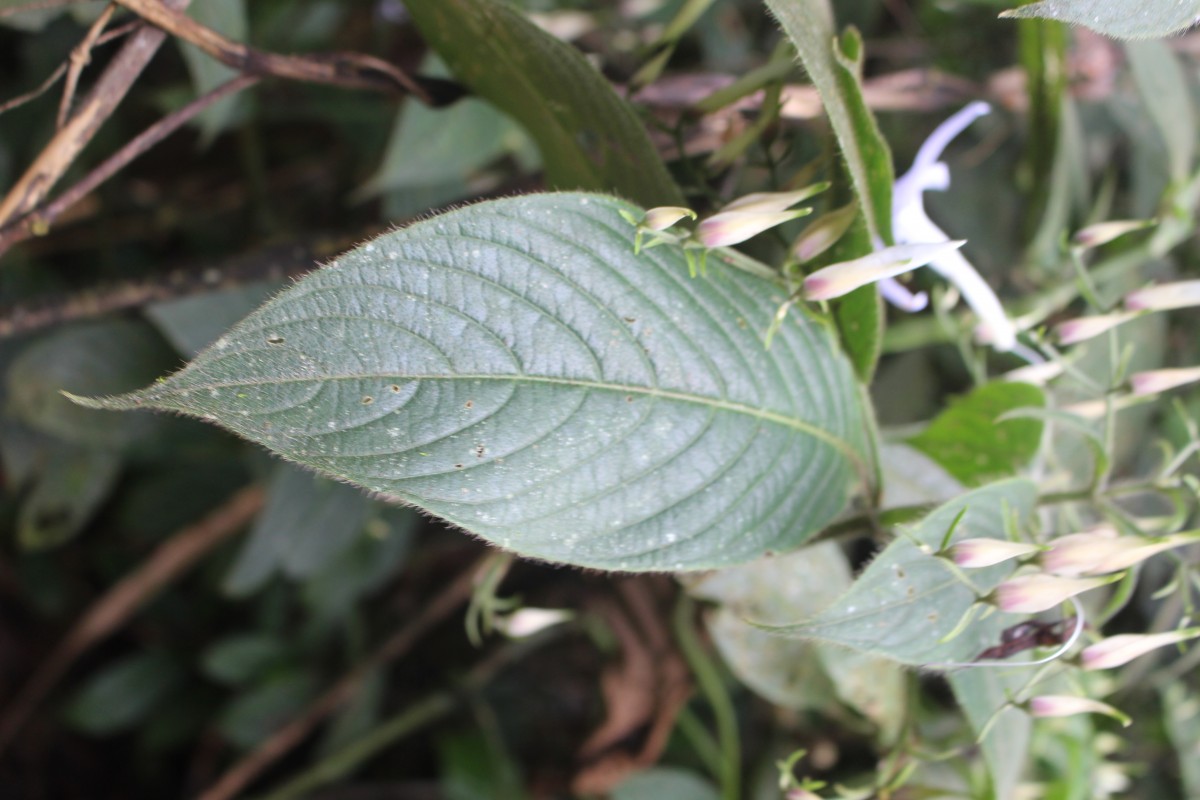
<point x="237" y="777"/>
<point x="79" y="58"/>
<point x="112" y="86"/>
<point x="349" y="70"/>
<point x="115" y="608"/>
<point x="39" y="221"/>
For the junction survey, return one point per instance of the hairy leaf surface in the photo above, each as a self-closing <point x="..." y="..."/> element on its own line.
<point x="516" y="369"/>
<point x="1121" y="19"/>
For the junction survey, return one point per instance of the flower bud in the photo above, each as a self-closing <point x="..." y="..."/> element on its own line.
<point x="733" y="227"/>
<point x="1117" y="650"/>
<point x="1035" y="374"/>
<point x="1031" y="594"/>
<point x="984" y="552"/>
<point x="1105" y="232"/>
<point x="663" y="217"/>
<point x="528" y="621"/>
<point x="1164" y="296"/>
<point x="1101" y="551"/>
<point x="824" y="232"/>
<point x="1078" y="330"/>
<point x="1162" y="380"/>
<point x="767" y="202"/>
<point x="846" y="276"/>
<point x="1058" y="705"/>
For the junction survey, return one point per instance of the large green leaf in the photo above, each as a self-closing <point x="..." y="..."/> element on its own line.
<point x="590" y="138"/>
<point x="515" y="368"/>
<point x="907" y="602"/>
<point x="1121" y="19"/>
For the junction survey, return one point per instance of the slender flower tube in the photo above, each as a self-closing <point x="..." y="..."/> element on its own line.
<point x="1078" y="330"/>
<point x="1031" y="594"/>
<point x="1101" y="551"/>
<point x="1117" y="650"/>
<point x="1162" y="380"/>
<point x="1062" y="705"/>
<point x="910" y="224"/>
<point x="1165" y="296"/>
<point x="984" y="552"/>
<point x="846" y="276"/>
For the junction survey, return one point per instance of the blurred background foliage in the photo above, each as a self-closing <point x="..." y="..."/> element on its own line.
<point x="181" y="616"/>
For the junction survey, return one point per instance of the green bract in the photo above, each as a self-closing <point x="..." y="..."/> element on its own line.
<point x="516" y="369"/>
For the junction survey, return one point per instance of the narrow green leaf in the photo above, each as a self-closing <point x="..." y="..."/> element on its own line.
<point x="907" y="600"/>
<point x="1120" y="19"/>
<point x="590" y="138"/>
<point x="515" y="368"/>
<point x="972" y="445"/>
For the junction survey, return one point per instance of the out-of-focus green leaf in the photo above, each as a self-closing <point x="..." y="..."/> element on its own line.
<point x="969" y="442"/>
<point x="1144" y="19"/>
<point x="90" y="359"/>
<point x="70" y="486"/>
<point x="121" y="695"/>
<point x="227" y="17"/>
<point x="911" y="478"/>
<point x="1166" y="97"/>
<point x="1181" y="715"/>
<point x="517" y="369"/>
<point x="475" y="767"/>
<point x="363" y="566"/>
<point x="875" y="687"/>
<point x="590" y="138"/>
<point x="358" y="716"/>
<point x="238" y="659"/>
<point x="193" y="323"/>
<point x="256" y="713"/>
<point x="907" y="600"/>
<point x="665" y="783"/>
<point x="982" y="693"/>
<point x="307" y="521"/>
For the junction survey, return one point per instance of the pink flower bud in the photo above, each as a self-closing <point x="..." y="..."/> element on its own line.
<point x="1078" y="330"/>
<point x="732" y="227"/>
<point x="1031" y="594"/>
<point x="1058" y="705"/>
<point x="1165" y="296"/>
<point x="663" y="217"/>
<point x="823" y="232"/>
<point x="1105" y="232"/>
<point x="846" y="276"/>
<point x="1101" y="551"/>
<point x="984" y="552"/>
<point x="767" y="202"/>
<point x="1117" y="650"/>
<point x="1162" y="380"/>
<point x="1035" y="374"/>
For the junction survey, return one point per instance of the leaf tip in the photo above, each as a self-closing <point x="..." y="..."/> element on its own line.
<point x="120" y="402"/>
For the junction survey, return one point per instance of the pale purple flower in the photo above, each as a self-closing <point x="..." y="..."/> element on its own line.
<point x="984" y="552"/>
<point x="1117" y="650"/>
<point x="1032" y="594"/>
<point x="1064" y="705"/>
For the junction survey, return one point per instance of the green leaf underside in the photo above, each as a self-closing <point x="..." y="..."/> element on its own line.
<point x="589" y="137"/>
<point x="906" y="601"/>
<point x="514" y="368"/>
<point x="1121" y="19"/>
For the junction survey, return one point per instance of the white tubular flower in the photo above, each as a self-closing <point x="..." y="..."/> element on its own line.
<point x="1032" y="594"/>
<point x="1165" y="296"/>
<point x="910" y="224"/>
<point x="1161" y="380"/>
<point x="984" y="552"/>
<point x="1065" y="705"/>
<point x="846" y="276"/>
<point x="1117" y="650"/>
<point x="1101" y="551"/>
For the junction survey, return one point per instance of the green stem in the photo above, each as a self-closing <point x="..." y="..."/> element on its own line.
<point x="730" y="765"/>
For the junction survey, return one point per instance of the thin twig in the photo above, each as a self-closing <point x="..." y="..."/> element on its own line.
<point x="39" y="221"/>
<point x="237" y="777"/>
<point x="112" y="86"/>
<point x="21" y="100"/>
<point x="80" y="56"/>
<point x="36" y="5"/>
<point x="121" y="602"/>
<point x="351" y="70"/>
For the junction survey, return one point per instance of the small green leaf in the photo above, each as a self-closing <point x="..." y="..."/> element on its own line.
<point x="907" y="600"/>
<point x="258" y="712"/>
<point x="968" y="442"/>
<point x="238" y="659"/>
<point x="590" y="137"/>
<point x="123" y="694"/>
<point x="1120" y="19"/>
<point x="70" y="486"/>
<point x="516" y="369"/>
